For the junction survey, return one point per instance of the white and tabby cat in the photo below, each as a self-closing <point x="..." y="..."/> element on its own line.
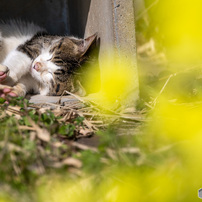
<point x="33" y="61"/>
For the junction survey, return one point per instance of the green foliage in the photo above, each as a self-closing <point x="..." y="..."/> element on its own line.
<point x="24" y="154"/>
<point x="67" y="130"/>
<point x="92" y="161"/>
<point x="48" y="118"/>
<point x="79" y="120"/>
<point x="108" y="139"/>
<point x="2" y="100"/>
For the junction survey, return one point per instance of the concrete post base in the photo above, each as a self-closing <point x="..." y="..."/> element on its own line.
<point x="114" y="21"/>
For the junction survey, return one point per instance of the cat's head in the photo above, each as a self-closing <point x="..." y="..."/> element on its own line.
<point x="57" y="67"/>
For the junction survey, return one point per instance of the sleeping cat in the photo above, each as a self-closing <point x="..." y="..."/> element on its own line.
<point x="33" y="61"/>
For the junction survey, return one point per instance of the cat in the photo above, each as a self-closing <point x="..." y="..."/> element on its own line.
<point x="31" y="60"/>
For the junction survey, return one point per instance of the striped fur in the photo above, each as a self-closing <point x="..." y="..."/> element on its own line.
<point x="40" y="62"/>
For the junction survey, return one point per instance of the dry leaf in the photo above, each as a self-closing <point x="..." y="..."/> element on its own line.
<point x="72" y="162"/>
<point x="43" y="134"/>
<point x="85" y="132"/>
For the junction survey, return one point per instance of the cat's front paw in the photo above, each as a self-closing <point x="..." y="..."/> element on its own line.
<point x="4" y="71"/>
<point x="7" y="92"/>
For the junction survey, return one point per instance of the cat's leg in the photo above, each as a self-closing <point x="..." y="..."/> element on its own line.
<point x="4" y="71"/>
<point x="18" y="90"/>
<point x="15" y="65"/>
<point x="6" y="91"/>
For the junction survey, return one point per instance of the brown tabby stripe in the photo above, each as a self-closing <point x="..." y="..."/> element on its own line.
<point x="59" y="72"/>
<point x="32" y="47"/>
<point x="27" y="51"/>
<point x="57" y="88"/>
<point x="52" y="84"/>
<point x="61" y="42"/>
<point x="53" y="49"/>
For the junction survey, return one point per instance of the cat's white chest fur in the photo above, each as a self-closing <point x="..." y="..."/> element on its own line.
<point x="18" y="63"/>
<point x="12" y="35"/>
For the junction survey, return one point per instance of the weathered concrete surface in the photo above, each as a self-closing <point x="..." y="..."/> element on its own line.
<point x="39" y="99"/>
<point x="114" y="21"/>
<point x="100" y="20"/>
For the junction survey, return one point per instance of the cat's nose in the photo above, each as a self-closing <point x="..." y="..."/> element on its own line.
<point x="37" y="66"/>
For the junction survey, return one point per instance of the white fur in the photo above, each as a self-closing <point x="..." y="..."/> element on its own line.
<point x="46" y="78"/>
<point x="45" y="74"/>
<point x="12" y="34"/>
<point x="18" y="64"/>
<point x="44" y="59"/>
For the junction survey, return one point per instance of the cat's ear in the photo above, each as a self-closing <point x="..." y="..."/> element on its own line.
<point x="86" y="44"/>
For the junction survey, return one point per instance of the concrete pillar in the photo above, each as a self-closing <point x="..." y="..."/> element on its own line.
<point x="114" y="21"/>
